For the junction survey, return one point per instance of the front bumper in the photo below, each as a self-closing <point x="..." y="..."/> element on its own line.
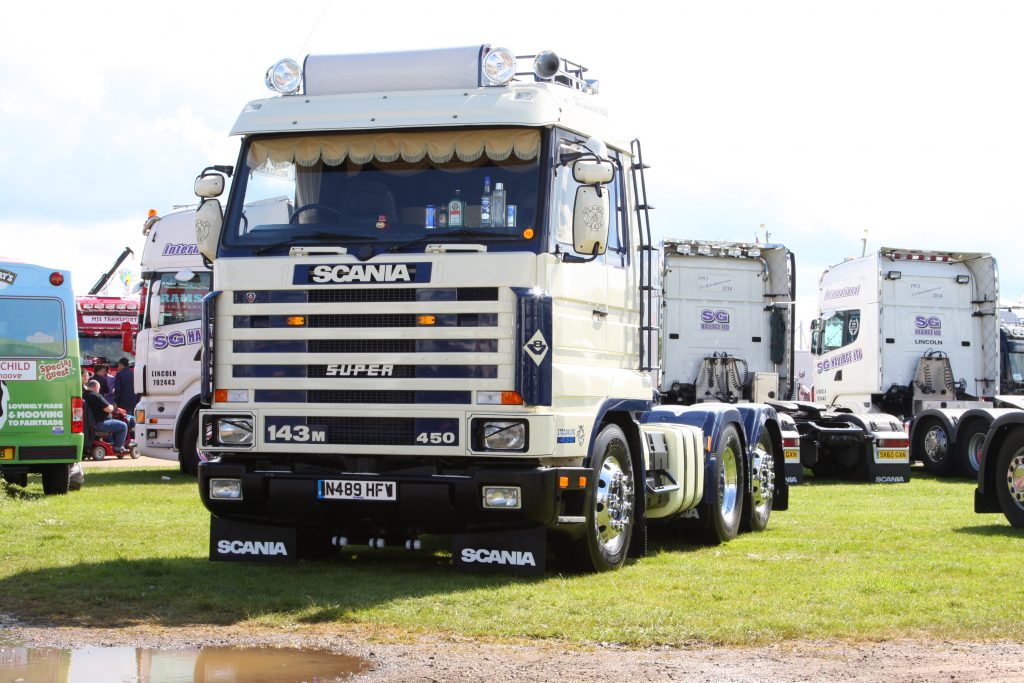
<point x="429" y="503"/>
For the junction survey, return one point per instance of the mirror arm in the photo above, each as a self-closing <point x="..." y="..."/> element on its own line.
<point x="569" y="258"/>
<point x="226" y="170"/>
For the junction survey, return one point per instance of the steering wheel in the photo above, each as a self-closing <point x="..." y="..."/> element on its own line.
<point x="307" y="207"/>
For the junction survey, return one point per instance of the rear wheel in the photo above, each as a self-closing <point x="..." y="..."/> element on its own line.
<point x="611" y="513"/>
<point x="98" y="452"/>
<point x="762" y="482"/>
<point x="933" y="446"/>
<point x="726" y="491"/>
<point x="188" y="455"/>
<point x="56" y="479"/>
<point x="1009" y="478"/>
<point x="968" y="447"/>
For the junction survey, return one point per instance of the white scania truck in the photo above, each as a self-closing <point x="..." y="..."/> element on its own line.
<point x="727" y="328"/>
<point x="167" y="346"/>
<point x="912" y="334"/>
<point x="446" y="325"/>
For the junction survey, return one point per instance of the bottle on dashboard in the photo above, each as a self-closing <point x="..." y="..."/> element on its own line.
<point x="457" y="211"/>
<point x="485" y="204"/>
<point x="498" y="206"/>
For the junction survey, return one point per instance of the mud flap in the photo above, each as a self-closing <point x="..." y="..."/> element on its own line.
<point x="794" y="473"/>
<point x="898" y="473"/>
<point x="520" y="551"/>
<point x="232" y="541"/>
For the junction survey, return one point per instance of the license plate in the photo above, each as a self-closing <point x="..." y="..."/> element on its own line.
<point x="6" y="452"/>
<point x="349" y="489"/>
<point x="892" y="455"/>
<point x="792" y="455"/>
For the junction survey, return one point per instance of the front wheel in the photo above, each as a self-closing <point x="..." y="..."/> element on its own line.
<point x="726" y="490"/>
<point x="611" y="513"/>
<point x="188" y="456"/>
<point x="933" y="446"/>
<point x="1009" y="478"/>
<point x="98" y="453"/>
<point x="968" y="448"/>
<point x="762" y="484"/>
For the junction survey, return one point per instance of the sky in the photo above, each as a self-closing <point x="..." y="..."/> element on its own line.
<point x="826" y="122"/>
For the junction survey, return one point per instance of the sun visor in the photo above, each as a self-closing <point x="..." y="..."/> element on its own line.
<point x="443" y="69"/>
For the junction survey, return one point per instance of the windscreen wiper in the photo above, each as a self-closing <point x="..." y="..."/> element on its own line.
<point x="448" y="234"/>
<point x="319" y="236"/>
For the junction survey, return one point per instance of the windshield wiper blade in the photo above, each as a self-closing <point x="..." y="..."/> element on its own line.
<point x="468" y="232"/>
<point x="319" y="236"/>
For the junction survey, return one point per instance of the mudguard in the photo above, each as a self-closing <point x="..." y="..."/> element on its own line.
<point x="985" y="495"/>
<point x="987" y="415"/>
<point x="712" y="418"/>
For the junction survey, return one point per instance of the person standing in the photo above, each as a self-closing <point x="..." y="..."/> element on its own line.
<point x="100" y="373"/>
<point x="124" y="387"/>
<point x="100" y="409"/>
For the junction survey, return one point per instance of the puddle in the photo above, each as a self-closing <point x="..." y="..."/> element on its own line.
<point x="145" y="665"/>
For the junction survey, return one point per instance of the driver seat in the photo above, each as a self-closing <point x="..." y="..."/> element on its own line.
<point x="365" y="199"/>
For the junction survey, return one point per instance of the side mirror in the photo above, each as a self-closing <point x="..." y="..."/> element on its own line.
<point x="127" y="338"/>
<point x="590" y="220"/>
<point x="154" y="305"/>
<point x="209" y="222"/>
<point x="209" y="185"/>
<point x="592" y="172"/>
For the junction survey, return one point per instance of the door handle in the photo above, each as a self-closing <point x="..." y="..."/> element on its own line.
<point x="601" y="312"/>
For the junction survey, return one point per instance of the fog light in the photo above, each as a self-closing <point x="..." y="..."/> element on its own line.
<point x="234" y="431"/>
<point x="502" y="497"/>
<point x="504" y="436"/>
<point x="226" y="489"/>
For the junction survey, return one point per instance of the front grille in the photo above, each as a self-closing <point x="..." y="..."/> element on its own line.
<point x="361" y="396"/>
<point x="380" y="431"/>
<point x="366" y="320"/>
<point x="362" y="346"/>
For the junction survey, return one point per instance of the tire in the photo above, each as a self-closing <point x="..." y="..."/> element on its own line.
<point x="1009" y="478"/>
<point x="20" y="479"/>
<point x="611" y="512"/>
<point x="98" y="453"/>
<point x="762" y="481"/>
<point x="188" y="455"/>
<point x="727" y="489"/>
<point x="968" y="448"/>
<point x="56" y="479"/>
<point x="933" y="446"/>
<point x="133" y="451"/>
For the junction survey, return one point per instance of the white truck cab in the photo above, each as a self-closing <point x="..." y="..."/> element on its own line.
<point x="168" y="344"/>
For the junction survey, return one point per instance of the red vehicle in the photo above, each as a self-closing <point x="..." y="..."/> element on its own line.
<point x="100" y="328"/>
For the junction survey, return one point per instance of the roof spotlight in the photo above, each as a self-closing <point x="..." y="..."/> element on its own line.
<point x="285" y="77"/>
<point x="546" y="64"/>
<point x="499" y="66"/>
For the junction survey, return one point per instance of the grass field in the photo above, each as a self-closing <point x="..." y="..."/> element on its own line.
<point x="848" y="560"/>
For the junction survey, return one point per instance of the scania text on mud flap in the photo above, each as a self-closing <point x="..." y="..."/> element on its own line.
<point x="167" y="370"/>
<point x="41" y="409"/>
<point x="373" y="370"/>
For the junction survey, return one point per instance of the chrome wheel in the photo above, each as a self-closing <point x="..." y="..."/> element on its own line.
<point x="762" y="481"/>
<point x="974" y="450"/>
<point x="1015" y="478"/>
<point x="728" y="486"/>
<point x="613" y="505"/>
<point x="936" y="444"/>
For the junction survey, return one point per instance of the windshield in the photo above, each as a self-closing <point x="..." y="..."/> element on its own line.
<point x="105" y="349"/>
<point x="1015" y="362"/>
<point x="394" y="191"/>
<point x="31" y="328"/>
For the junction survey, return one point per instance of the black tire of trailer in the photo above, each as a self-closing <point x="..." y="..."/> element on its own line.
<point x="762" y="476"/>
<point x="727" y="489"/>
<point x="56" y="479"/>
<point x="1009" y="477"/>
<point x="188" y="454"/>
<point x="942" y="460"/>
<point x="19" y="479"/>
<point x="612" y="475"/>
<point x="969" y="439"/>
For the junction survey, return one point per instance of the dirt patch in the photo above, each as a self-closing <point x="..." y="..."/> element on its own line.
<point x="126" y="463"/>
<point x="402" y="657"/>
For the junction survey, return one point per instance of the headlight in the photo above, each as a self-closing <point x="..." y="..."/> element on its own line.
<point x="234" y="431"/>
<point x="504" y="436"/>
<point x="502" y="497"/>
<point x="226" y="489"/>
